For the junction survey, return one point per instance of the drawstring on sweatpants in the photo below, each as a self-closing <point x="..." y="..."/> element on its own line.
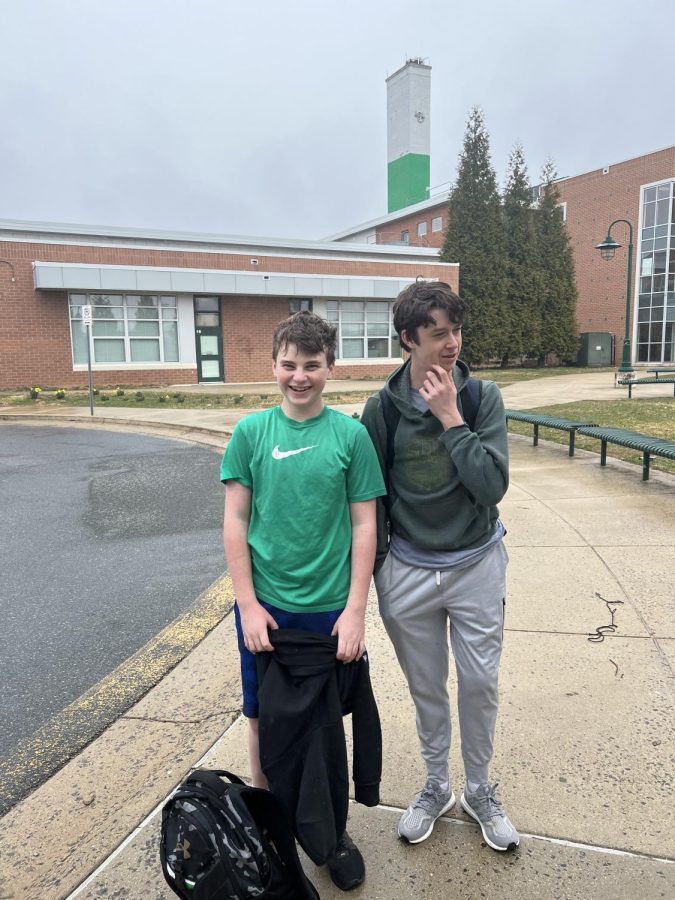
<point x="438" y="579"/>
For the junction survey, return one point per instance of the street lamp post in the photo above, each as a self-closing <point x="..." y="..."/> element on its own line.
<point x="607" y="250"/>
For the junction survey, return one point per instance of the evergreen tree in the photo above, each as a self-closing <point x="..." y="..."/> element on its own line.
<point x="559" y="330"/>
<point x="475" y="239"/>
<point x="522" y="320"/>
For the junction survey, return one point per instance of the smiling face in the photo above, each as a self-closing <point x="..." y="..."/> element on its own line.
<point x="438" y="344"/>
<point x="301" y="378"/>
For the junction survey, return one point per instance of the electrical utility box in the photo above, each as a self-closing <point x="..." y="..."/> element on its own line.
<point x="596" y="349"/>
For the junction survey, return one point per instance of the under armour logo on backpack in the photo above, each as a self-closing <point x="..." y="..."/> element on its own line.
<point x="182" y="847"/>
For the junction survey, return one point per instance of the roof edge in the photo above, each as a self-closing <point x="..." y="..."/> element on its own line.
<point x="232" y="243"/>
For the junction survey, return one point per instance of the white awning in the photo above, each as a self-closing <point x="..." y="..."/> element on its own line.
<point x="155" y="279"/>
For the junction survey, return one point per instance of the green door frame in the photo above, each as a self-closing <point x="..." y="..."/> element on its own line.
<point x="209" y="331"/>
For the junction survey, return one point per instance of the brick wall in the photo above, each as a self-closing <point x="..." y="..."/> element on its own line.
<point x="390" y="232"/>
<point x="193" y="259"/>
<point x="248" y="324"/>
<point x="35" y="347"/>
<point x="594" y="201"/>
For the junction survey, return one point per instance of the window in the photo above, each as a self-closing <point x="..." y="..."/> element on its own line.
<point x="365" y="329"/>
<point x="656" y="276"/>
<point x="405" y="235"/>
<point x="437" y="223"/>
<point x="421" y="229"/>
<point x="126" y="328"/>
<point x="298" y="305"/>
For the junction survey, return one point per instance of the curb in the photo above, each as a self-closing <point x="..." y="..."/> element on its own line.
<point x="38" y="757"/>
<point x="219" y="436"/>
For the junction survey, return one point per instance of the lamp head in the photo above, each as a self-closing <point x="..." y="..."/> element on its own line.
<point x="608" y="247"/>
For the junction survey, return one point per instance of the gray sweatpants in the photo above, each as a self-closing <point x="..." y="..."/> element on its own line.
<point x="416" y="606"/>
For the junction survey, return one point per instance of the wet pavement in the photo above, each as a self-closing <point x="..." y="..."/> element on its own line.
<point x="585" y="746"/>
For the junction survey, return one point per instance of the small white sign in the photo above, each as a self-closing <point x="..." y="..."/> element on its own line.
<point x="86" y="315"/>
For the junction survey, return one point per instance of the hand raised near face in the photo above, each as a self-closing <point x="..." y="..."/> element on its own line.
<point x="440" y="393"/>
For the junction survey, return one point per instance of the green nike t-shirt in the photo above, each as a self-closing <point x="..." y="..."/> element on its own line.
<point x="303" y="476"/>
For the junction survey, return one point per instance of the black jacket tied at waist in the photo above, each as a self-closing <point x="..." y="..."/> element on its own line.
<point x="303" y="693"/>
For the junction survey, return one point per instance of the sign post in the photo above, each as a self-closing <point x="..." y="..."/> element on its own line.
<point x="86" y="321"/>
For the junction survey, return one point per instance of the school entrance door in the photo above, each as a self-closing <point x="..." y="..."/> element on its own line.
<point x="208" y="339"/>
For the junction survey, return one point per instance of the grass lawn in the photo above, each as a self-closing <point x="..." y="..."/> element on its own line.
<point x="175" y="399"/>
<point x="651" y="416"/>
<point x="504" y="377"/>
<point x="148" y="398"/>
<point x="163" y="399"/>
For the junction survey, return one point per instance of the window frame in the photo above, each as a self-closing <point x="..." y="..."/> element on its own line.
<point x="127" y="338"/>
<point x="335" y="311"/>
<point x="653" y="299"/>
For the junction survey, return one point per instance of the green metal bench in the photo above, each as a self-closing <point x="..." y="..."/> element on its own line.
<point x="569" y="425"/>
<point x="647" y="445"/>
<point x="661" y="371"/>
<point x="631" y="383"/>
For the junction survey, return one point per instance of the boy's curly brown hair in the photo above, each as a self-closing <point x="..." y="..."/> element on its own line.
<point x="309" y="332"/>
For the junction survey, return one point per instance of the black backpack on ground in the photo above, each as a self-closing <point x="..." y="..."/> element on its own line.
<point x="223" y="841"/>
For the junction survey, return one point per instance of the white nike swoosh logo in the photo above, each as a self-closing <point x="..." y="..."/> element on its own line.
<point x="282" y="454"/>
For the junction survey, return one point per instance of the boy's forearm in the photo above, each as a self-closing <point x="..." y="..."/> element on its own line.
<point x="364" y="537"/>
<point x="238" y="555"/>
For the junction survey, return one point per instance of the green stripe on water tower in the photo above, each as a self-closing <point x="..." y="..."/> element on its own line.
<point x="408" y="180"/>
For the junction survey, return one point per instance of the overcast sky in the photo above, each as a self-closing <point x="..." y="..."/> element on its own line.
<point x="269" y="118"/>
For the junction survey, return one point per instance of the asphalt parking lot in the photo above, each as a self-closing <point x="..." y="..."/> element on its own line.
<point x="106" y="538"/>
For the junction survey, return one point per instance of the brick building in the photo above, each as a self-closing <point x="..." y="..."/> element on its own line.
<point x="640" y="190"/>
<point x="184" y="308"/>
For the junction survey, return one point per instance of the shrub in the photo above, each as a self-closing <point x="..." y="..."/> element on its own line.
<point x="35" y="393"/>
<point x="139" y="396"/>
<point x="103" y="397"/>
<point x="60" y="395"/>
<point x="119" y="392"/>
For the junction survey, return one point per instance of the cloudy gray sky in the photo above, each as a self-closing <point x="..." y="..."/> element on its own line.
<point x="269" y="118"/>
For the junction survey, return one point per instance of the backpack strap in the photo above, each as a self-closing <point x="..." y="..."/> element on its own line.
<point x="391" y="414"/>
<point x="211" y="777"/>
<point x="471" y="395"/>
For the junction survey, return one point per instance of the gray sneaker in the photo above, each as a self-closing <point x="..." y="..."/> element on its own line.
<point x="417" y="822"/>
<point x="496" y="826"/>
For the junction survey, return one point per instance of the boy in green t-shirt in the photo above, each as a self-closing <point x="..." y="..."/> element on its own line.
<point x="299" y="530"/>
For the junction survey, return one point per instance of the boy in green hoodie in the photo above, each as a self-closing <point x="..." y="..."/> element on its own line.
<point x="441" y="560"/>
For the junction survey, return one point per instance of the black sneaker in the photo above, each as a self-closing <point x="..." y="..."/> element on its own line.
<point x="346" y="865"/>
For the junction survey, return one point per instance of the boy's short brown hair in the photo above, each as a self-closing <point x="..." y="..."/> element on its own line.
<point x="309" y="332"/>
<point x="414" y="306"/>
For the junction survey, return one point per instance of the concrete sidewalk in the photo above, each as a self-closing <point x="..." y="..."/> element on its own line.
<point x="191" y="422"/>
<point x="585" y="747"/>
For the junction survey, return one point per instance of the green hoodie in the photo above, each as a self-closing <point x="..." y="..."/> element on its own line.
<point x="444" y="485"/>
